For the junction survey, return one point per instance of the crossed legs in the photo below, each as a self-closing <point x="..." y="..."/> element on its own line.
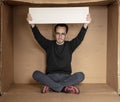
<point x="58" y="81"/>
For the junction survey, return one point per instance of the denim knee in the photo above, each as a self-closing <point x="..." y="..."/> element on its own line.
<point x="36" y="74"/>
<point x="80" y="76"/>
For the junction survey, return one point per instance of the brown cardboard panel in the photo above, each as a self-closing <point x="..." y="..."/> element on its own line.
<point x="119" y="85"/>
<point x="84" y="88"/>
<point x="119" y="41"/>
<point x="89" y="57"/>
<point x="59" y="2"/>
<point x="6" y="47"/>
<point x="0" y="51"/>
<point x="89" y="93"/>
<point x="112" y="47"/>
<point x="119" y="51"/>
<point x="72" y="1"/>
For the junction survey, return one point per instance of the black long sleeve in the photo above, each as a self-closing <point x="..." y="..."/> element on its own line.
<point x="74" y="43"/>
<point x="40" y="38"/>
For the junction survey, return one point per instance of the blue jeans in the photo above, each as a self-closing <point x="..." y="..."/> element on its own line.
<point x="58" y="81"/>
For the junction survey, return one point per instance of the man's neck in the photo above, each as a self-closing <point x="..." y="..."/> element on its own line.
<point x="59" y="43"/>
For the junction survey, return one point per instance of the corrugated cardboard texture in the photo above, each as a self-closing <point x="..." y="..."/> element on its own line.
<point x="112" y="47"/>
<point x="119" y="51"/>
<point x="89" y="57"/>
<point x="0" y="51"/>
<point x="89" y="93"/>
<point x="6" y="47"/>
<point x="60" y="2"/>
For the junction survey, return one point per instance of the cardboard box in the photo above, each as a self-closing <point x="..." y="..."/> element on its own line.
<point x="98" y="56"/>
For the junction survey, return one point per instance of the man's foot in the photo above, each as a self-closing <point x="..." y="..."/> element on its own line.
<point x="45" y="89"/>
<point x="71" y="89"/>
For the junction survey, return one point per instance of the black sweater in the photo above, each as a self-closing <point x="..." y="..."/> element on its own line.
<point x="58" y="56"/>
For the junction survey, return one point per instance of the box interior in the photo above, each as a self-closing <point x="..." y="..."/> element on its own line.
<point x="96" y="56"/>
<point x="28" y="56"/>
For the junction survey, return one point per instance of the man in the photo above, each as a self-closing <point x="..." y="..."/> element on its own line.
<point x="58" y="77"/>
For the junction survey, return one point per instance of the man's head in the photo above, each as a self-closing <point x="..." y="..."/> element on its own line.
<point x="60" y="33"/>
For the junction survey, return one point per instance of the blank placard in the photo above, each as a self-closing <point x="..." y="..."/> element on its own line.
<point x="58" y="15"/>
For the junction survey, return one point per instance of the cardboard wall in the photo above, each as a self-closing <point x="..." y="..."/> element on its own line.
<point x="0" y="51"/>
<point x="112" y="47"/>
<point x="119" y="51"/>
<point x="61" y="2"/>
<point x="6" y="47"/>
<point x="89" y="57"/>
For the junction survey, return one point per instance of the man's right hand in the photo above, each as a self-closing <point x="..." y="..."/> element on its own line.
<point x="29" y="18"/>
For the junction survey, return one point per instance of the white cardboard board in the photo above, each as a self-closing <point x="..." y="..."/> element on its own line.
<point x="55" y="15"/>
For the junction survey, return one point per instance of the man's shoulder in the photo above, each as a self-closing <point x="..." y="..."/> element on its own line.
<point x="67" y="41"/>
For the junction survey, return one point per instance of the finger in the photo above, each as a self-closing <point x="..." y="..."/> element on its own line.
<point x="29" y="17"/>
<point x="88" y="18"/>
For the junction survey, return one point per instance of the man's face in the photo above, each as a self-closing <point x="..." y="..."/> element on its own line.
<point x="60" y="35"/>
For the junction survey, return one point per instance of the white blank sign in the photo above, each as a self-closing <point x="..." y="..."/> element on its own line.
<point x="58" y="15"/>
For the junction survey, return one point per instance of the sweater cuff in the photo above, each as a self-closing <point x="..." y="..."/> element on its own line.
<point x="33" y="27"/>
<point x="84" y="27"/>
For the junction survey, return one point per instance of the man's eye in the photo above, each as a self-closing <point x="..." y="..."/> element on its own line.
<point x="63" y="33"/>
<point x="57" y="33"/>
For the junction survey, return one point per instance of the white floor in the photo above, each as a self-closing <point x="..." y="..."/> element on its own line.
<point x="89" y="93"/>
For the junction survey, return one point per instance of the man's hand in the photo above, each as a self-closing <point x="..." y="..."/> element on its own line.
<point x="88" y="18"/>
<point x="29" y="18"/>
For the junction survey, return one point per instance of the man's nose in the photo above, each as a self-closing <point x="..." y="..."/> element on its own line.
<point x="60" y="35"/>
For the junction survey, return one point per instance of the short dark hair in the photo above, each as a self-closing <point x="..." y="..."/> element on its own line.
<point x="61" y="25"/>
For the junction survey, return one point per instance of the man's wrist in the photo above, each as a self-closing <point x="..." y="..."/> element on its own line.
<point x="85" y="25"/>
<point x="32" y="25"/>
